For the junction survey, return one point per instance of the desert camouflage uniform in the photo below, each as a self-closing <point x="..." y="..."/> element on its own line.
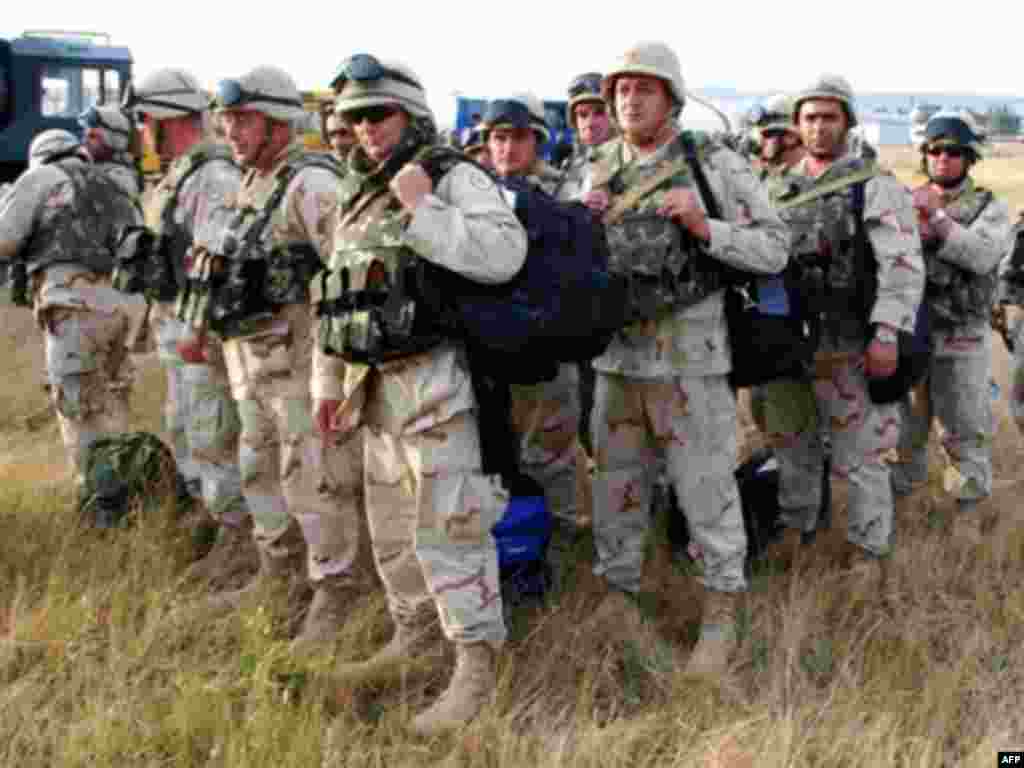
<point x="281" y="461"/>
<point x="546" y="416"/>
<point x="663" y="388"/>
<point x="199" y="415"/>
<point x="85" y="321"/>
<point x="429" y="505"/>
<point x="1011" y="293"/>
<point x="862" y="432"/>
<point x="957" y="388"/>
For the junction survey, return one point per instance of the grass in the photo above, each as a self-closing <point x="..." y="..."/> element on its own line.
<point x="103" y="662"/>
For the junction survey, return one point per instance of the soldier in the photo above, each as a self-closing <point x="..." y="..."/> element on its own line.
<point x="477" y="149"/>
<point x="109" y="138"/>
<point x="781" y="147"/>
<point x="430" y="506"/>
<point x="340" y="137"/>
<point x="965" y="231"/>
<point x="277" y="239"/>
<point x="514" y="130"/>
<point x="587" y="115"/>
<point x="1009" y="319"/>
<point x="662" y="385"/>
<point x="57" y="228"/>
<point x="545" y="416"/>
<point x="855" y="220"/>
<point x="186" y="212"/>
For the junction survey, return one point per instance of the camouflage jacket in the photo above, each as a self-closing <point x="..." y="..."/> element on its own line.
<point x="1011" y="268"/>
<point x="464" y="225"/>
<point x="692" y="341"/>
<point x="68" y="212"/>
<point x="962" y="269"/>
<point x="891" y="228"/>
<point x="189" y="204"/>
<point x="571" y="185"/>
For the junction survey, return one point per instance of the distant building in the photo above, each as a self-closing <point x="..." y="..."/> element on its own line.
<point x="885" y="129"/>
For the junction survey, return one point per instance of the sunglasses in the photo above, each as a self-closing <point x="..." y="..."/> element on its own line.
<point x="231" y="93"/>
<point x="588" y="83"/>
<point x="375" y="114"/>
<point x="954" y="152"/>
<point x="362" y="67"/>
<point x="92" y="118"/>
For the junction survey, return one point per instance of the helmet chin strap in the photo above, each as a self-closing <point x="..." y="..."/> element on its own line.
<point x="948" y="183"/>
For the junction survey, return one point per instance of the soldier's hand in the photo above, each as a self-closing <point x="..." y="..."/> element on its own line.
<point x="411" y="185"/>
<point x="880" y="360"/>
<point x="683" y="206"/>
<point x="193" y="349"/>
<point x="597" y="200"/>
<point x="324" y="417"/>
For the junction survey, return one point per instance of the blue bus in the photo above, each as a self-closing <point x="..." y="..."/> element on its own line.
<point x="468" y="112"/>
<point x="48" y="78"/>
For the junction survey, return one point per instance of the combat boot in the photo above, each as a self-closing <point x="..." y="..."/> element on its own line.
<point x="414" y="636"/>
<point x="332" y="601"/>
<point x="717" y="638"/>
<point x="277" y="573"/>
<point x="234" y="552"/>
<point x="471" y="686"/>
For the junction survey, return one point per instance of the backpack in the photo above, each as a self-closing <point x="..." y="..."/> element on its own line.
<point x="562" y="306"/>
<point x="131" y="472"/>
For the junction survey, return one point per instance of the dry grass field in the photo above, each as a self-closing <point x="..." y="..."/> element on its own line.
<point x="103" y="664"/>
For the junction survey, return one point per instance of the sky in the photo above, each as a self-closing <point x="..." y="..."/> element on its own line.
<point x="491" y="50"/>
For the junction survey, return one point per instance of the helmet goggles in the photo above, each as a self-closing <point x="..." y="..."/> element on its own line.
<point x="231" y="94"/>
<point x="362" y="67"/>
<point x="586" y="84"/>
<point x="136" y="102"/>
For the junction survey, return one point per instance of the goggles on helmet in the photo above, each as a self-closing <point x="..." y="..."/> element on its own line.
<point x="589" y="83"/>
<point x="231" y="94"/>
<point x="507" y="112"/>
<point x="362" y="67"/>
<point x="92" y="118"/>
<point x="950" y="127"/>
<point x="134" y="101"/>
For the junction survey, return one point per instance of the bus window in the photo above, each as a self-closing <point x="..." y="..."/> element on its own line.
<point x="91" y="94"/>
<point x="111" y="86"/>
<point x="68" y="91"/>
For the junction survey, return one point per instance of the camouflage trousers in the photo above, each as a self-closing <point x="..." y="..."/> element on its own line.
<point x="1015" y="397"/>
<point x="280" y="458"/>
<point x="957" y="393"/>
<point x="430" y="513"/>
<point x="88" y="368"/>
<point x="167" y="332"/>
<point x="691" y="421"/>
<point x="862" y="433"/>
<point x="545" y="418"/>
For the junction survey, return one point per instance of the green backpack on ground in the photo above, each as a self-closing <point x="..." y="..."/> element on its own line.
<point x="126" y="472"/>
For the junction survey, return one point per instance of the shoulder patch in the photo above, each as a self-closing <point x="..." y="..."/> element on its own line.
<point x="479" y="180"/>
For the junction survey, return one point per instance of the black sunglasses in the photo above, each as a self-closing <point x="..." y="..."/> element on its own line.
<point x="949" y="151"/>
<point x="362" y="67"/>
<point x="587" y="83"/>
<point x="375" y="114"/>
<point x="231" y="93"/>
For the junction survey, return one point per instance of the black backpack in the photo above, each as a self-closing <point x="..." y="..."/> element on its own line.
<point x="562" y="306"/>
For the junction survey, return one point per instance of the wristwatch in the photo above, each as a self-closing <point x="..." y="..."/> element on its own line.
<point x="885" y="335"/>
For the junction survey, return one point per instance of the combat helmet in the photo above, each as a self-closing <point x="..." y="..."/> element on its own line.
<point x="268" y="90"/>
<point x="949" y="128"/>
<point x="363" y="81"/>
<point x="776" y="115"/>
<point x="832" y="88"/>
<point x="49" y="144"/>
<point x="165" y="94"/>
<point x="115" y="127"/>
<point x="523" y="110"/>
<point x="583" y="88"/>
<point x="653" y="59"/>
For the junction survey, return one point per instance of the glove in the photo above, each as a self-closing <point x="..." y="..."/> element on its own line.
<point x="193" y="349"/>
<point x="326" y="410"/>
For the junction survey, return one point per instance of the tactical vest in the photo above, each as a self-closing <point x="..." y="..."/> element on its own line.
<point x="151" y="258"/>
<point x="234" y="292"/>
<point x="661" y="261"/>
<point x="85" y="231"/>
<point x="369" y="304"/>
<point x="825" y="218"/>
<point x="957" y="296"/>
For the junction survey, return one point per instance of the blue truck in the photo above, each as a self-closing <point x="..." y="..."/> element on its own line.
<point x="469" y="111"/>
<point x="47" y="79"/>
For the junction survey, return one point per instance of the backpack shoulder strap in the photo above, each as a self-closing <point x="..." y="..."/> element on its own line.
<point x="692" y="155"/>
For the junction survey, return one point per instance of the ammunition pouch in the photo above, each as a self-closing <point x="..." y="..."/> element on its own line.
<point x="289" y="272"/>
<point x="21" y="296"/>
<point x="660" y="264"/>
<point x="374" y="310"/>
<point x="142" y="264"/>
<point x="955" y="295"/>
